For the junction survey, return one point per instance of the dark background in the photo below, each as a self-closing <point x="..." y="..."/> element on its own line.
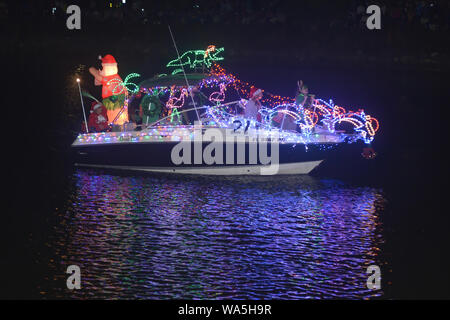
<point x="398" y="74"/>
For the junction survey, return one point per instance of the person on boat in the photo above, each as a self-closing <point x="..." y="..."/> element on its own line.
<point x="302" y="97"/>
<point x="98" y="118"/>
<point x="253" y="105"/>
<point x="200" y="100"/>
<point x="113" y="91"/>
<point x="134" y="112"/>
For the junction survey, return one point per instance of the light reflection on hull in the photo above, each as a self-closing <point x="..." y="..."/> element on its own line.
<point x="160" y="237"/>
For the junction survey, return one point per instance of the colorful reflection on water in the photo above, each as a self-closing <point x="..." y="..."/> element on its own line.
<point x="168" y="237"/>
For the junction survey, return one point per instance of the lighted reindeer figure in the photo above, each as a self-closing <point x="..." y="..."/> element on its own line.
<point x="175" y="102"/>
<point x="218" y="96"/>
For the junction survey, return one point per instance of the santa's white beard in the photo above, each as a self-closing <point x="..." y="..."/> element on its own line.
<point x="108" y="70"/>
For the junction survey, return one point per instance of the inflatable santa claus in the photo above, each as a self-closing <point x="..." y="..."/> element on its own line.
<point x="113" y="91"/>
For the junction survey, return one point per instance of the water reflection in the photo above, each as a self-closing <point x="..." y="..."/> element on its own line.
<point x="165" y="237"/>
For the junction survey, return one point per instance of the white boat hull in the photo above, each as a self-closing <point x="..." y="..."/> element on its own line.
<point x="254" y="170"/>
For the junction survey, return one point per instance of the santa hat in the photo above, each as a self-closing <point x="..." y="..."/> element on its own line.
<point x="108" y="59"/>
<point x="254" y="92"/>
<point x="95" y="105"/>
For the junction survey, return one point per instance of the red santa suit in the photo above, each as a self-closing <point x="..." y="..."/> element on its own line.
<point x="107" y="89"/>
<point x="98" y="122"/>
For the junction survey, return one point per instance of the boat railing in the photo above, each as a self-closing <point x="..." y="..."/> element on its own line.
<point x="215" y="116"/>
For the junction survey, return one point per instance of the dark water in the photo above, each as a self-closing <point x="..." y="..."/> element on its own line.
<point x="209" y="238"/>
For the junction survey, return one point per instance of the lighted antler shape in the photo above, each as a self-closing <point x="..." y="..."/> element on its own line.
<point x="366" y="126"/>
<point x="338" y="112"/>
<point x="370" y="126"/>
<point x="279" y="114"/>
<point x="312" y="117"/>
<point x="125" y="85"/>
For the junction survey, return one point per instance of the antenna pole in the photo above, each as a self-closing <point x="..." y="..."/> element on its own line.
<point x="82" y="106"/>
<point x="184" y="73"/>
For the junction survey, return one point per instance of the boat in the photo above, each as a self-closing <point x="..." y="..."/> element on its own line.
<point x="222" y="141"/>
<point x="164" y="149"/>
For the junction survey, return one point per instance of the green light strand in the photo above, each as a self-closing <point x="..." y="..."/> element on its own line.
<point x="121" y="85"/>
<point x="173" y="114"/>
<point x="196" y="58"/>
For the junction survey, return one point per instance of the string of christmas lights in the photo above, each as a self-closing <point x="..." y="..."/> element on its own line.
<point x="120" y="85"/>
